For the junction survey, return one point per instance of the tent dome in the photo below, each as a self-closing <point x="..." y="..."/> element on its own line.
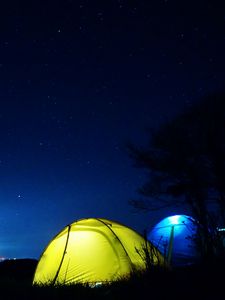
<point x="174" y="237"/>
<point x="92" y="250"/>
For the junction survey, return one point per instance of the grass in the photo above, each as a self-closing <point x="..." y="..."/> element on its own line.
<point x="197" y="281"/>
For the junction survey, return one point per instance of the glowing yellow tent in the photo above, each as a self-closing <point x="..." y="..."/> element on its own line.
<point x="94" y="251"/>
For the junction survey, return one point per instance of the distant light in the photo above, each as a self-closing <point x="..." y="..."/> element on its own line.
<point x="96" y="284"/>
<point x="221" y="229"/>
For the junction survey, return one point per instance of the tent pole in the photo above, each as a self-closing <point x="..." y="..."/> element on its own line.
<point x="170" y="248"/>
<point x="64" y="252"/>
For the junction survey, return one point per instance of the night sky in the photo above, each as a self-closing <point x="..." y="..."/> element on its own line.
<point x="78" y="79"/>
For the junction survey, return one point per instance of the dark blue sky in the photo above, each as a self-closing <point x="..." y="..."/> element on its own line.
<point x="78" y="79"/>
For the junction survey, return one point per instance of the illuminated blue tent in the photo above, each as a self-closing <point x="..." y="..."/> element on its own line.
<point x="174" y="237"/>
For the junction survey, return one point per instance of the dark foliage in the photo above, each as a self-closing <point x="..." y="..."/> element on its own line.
<point x="185" y="161"/>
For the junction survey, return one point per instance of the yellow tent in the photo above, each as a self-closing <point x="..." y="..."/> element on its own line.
<point x="94" y="251"/>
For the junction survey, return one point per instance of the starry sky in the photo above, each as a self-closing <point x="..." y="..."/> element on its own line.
<point x="78" y="79"/>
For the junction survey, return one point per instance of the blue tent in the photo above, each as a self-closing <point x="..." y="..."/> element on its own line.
<point x="174" y="237"/>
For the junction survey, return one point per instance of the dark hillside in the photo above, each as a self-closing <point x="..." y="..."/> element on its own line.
<point x="17" y="269"/>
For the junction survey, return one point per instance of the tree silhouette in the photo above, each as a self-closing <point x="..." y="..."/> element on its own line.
<point x="185" y="161"/>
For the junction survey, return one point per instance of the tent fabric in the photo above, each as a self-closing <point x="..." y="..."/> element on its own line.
<point x="92" y="250"/>
<point x="174" y="237"/>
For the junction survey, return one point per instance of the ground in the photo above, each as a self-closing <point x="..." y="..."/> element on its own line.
<point x="203" y="281"/>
